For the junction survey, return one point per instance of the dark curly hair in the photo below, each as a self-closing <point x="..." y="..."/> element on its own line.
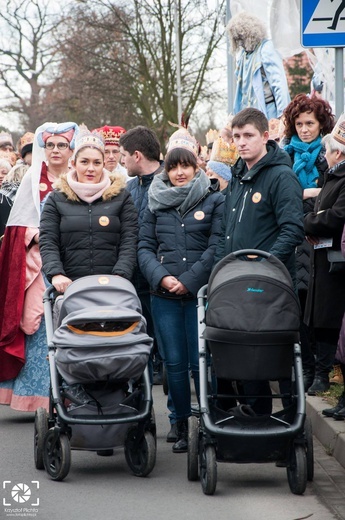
<point x="303" y="103"/>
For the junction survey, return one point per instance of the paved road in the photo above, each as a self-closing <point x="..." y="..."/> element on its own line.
<point x="103" y="488"/>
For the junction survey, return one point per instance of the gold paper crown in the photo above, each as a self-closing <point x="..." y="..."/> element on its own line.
<point x="229" y="121"/>
<point x="211" y="136"/>
<point x="338" y="131"/>
<point x="85" y="138"/>
<point x="203" y="151"/>
<point x="273" y="128"/>
<point x="26" y="139"/>
<point x="224" y="152"/>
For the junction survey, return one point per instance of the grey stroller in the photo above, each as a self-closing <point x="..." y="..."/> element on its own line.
<point x="100" y="389"/>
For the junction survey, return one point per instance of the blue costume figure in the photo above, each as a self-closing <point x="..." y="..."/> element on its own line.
<point x="261" y="79"/>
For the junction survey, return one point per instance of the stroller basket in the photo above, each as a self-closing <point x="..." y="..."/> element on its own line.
<point x="252" y="319"/>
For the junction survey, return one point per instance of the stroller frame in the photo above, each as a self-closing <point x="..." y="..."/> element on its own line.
<point x="285" y="437"/>
<point x="53" y="431"/>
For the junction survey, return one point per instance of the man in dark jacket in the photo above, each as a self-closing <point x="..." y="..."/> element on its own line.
<point x="263" y="206"/>
<point x="140" y="150"/>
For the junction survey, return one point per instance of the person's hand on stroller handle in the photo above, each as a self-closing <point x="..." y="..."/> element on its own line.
<point x="61" y="282"/>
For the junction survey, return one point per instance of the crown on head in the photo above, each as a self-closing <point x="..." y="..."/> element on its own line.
<point x="224" y="152"/>
<point x="211" y="136"/>
<point x="85" y="139"/>
<point x="5" y="138"/>
<point x="110" y="134"/>
<point x="338" y="132"/>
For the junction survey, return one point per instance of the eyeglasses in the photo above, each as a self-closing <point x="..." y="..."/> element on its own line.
<point x="60" y="146"/>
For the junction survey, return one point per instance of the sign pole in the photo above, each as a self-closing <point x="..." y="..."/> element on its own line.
<point x="230" y="66"/>
<point x="339" y="81"/>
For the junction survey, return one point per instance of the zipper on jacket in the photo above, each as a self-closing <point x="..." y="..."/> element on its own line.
<point x="90" y="227"/>
<point x="162" y="258"/>
<point x="244" y="203"/>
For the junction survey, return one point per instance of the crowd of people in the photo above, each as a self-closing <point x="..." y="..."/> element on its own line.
<point x="76" y="202"/>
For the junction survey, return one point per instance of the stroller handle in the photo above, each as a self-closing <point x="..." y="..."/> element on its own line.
<point x="48" y="293"/>
<point x="250" y="252"/>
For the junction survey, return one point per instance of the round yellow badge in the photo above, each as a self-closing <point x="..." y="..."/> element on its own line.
<point x="104" y="221"/>
<point x="199" y="215"/>
<point x="103" y="280"/>
<point x="43" y="186"/>
<point x="256" y="197"/>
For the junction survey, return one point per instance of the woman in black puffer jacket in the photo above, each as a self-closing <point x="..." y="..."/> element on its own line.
<point x="89" y="222"/>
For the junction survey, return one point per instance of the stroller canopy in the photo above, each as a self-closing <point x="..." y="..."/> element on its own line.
<point x="101" y="334"/>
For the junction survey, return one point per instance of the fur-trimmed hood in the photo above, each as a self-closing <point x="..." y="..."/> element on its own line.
<point x="117" y="180"/>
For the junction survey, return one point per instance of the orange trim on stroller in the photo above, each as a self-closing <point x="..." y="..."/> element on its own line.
<point x="99" y="333"/>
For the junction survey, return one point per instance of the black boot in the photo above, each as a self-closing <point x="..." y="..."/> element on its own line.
<point x="181" y="445"/>
<point x="325" y="353"/>
<point x="319" y="386"/>
<point x="340" y="414"/>
<point x="329" y="412"/>
<point x="308" y="378"/>
<point x="172" y="434"/>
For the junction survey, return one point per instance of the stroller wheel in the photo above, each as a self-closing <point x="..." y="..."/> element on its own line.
<point x="165" y="380"/>
<point x="208" y="470"/>
<point x="140" y="453"/>
<point x="308" y="433"/>
<point x="297" y="470"/>
<point x="193" y="448"/>
<point x="41" y="428"/>
<point x="57" y="454"/>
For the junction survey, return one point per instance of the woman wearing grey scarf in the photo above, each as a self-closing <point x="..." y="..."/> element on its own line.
<point x="177" y="242"/>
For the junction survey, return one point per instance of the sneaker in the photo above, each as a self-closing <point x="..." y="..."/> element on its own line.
<point x="172" y="435"/>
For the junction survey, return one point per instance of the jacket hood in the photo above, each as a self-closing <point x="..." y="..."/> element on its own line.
<point x="275" y="157"/>
<point x="118" y="183"/>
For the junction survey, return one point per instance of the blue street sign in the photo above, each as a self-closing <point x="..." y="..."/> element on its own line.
<point x="323" y="23"/>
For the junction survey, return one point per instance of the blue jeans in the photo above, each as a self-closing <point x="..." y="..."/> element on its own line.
<point x="176" y="327"/>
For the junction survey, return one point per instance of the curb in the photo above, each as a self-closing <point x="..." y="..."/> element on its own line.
<point x="330" y="433"/>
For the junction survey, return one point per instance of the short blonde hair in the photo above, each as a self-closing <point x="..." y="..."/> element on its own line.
<point x="16" y="173"/>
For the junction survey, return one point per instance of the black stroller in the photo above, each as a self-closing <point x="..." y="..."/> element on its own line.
<point x="100" y="389"/>
<point x="249" y="320"/>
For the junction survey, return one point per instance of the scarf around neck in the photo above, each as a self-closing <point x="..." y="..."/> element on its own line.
<point x="163" y="195"/>
<point x="88" y="192"/>
<point x="305" y="155"/>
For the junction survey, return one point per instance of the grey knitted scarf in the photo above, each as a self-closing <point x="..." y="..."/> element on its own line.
<point x="163" y="195"/>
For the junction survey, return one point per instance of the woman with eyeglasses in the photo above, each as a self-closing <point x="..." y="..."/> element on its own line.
<point x="24" y="370"/>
